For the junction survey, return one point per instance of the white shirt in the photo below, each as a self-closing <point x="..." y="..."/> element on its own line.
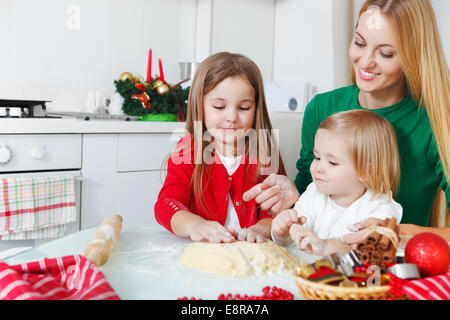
<point x="329" y="220"/>
<point x="232" y="220"/>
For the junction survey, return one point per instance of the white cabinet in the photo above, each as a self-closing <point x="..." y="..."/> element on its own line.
<point x="123" y="174"/>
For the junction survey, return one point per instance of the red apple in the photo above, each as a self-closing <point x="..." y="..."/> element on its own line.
<point x="430" y="252"/>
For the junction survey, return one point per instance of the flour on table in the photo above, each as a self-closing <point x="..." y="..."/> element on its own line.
<point x="237" y="259"/>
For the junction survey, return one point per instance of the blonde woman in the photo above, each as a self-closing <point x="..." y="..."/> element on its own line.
<point x="355" y="173"/>
<point x="400" y="73"/>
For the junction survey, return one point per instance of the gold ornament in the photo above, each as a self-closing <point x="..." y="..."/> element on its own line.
<point x="126" y="75"/>
<point x="160" y="87"/>
<point x="138" y="78"/>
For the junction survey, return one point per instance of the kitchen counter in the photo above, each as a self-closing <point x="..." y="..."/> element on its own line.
<point x="72" y="125"/>
<point x="144" y="265"/>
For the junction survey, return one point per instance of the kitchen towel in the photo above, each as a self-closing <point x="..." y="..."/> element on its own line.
<point x="64" y="278"/>
<point x="430" y="288"/>
<point x="36" y="207"/>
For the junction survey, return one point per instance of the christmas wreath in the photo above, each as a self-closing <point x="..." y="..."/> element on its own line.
<point x="155" y="97"/>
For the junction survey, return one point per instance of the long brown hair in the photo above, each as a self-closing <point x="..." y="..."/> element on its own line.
<point x="422" y="60"/>
<point x="212" y="71"/>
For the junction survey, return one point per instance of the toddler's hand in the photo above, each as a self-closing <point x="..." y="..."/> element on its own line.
<point x="306" y="240"/>
<point x="282" y="223"/>
<point x="211" y="231"/>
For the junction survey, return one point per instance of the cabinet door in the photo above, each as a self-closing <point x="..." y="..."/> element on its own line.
<point x="136" y="196"/>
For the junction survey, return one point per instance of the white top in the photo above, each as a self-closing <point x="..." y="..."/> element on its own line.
<point x="70" y="125"/>
<point x="329" y="220"/>
<point x="232" y="220"/>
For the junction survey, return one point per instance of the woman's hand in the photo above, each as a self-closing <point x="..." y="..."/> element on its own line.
<point x="360" y="232"/>
<point x="274" y="194"/>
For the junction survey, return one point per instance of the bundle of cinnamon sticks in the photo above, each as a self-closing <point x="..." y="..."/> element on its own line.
<point x="378" y="248"/>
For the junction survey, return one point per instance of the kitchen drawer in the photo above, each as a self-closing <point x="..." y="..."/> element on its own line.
<point x="142" y="152"/>
<point x="31" y="152"/>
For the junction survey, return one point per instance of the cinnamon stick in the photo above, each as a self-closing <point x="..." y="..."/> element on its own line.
<point x="361" y="246"/>
<point x="364" y="257"/>
<point x="384" y="241"/>
<point x="374" y="237"/>
<point x="375" y="258"/>
<point x="388" y="256"/>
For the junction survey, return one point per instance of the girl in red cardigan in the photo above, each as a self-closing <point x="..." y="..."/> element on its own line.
<point x="228" y="148"/>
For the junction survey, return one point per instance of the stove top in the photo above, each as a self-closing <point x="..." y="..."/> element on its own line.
<point x="36" y="109"/>
<point x="23" y="108"/>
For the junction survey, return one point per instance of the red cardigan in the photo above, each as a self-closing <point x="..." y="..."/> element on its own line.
<point x="177" y="192"/>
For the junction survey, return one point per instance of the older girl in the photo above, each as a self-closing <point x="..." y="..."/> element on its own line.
<point x="228" y="149"/>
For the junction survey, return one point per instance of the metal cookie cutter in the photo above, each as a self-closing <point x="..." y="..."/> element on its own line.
<point x="405" y="271"/>
<point x="346" y="263"/>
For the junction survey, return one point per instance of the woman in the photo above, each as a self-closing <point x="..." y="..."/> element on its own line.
<point x="399" y="72"/>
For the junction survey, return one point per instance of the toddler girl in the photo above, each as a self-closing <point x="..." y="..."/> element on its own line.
<point x="355" y="173"/>
<point x="227" y="149"/>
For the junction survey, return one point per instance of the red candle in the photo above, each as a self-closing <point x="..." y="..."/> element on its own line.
<point x="161" y="73"/>
<point x="149" y="66"/>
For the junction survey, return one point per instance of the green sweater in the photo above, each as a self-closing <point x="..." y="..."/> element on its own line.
<point x="421" y="171"/>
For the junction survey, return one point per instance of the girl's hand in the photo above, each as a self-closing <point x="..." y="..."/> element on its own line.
<point x="306" y="240"/>
<point x="211" y="231"/>
<point x="274" y="194"/>
<point x="282" y="223"/>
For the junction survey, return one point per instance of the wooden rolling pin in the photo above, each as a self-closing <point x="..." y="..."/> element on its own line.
<point x="101" y="245"/>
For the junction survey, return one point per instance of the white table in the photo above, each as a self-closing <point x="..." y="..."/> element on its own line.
<point x="144" y="265"/>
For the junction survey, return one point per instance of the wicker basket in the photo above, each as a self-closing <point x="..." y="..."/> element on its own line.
<point x="316" y="291"/>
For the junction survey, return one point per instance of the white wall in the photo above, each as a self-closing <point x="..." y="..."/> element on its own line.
<point x="342" y="35"/>
<point x="245" y="26"/>
<point x="59" y="50"/>
<point x="442" y="10"/>
<point x="311" y="41"/>
<point x="45" y="55"/>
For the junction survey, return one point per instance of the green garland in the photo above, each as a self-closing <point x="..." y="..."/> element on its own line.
<point x="169" y="102"/>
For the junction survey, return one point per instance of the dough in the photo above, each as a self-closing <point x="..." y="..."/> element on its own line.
<point x="237" y="259"/>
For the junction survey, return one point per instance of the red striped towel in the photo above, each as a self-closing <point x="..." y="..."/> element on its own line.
<point x="64" y="278"/>
<point x="431" y="288"/>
